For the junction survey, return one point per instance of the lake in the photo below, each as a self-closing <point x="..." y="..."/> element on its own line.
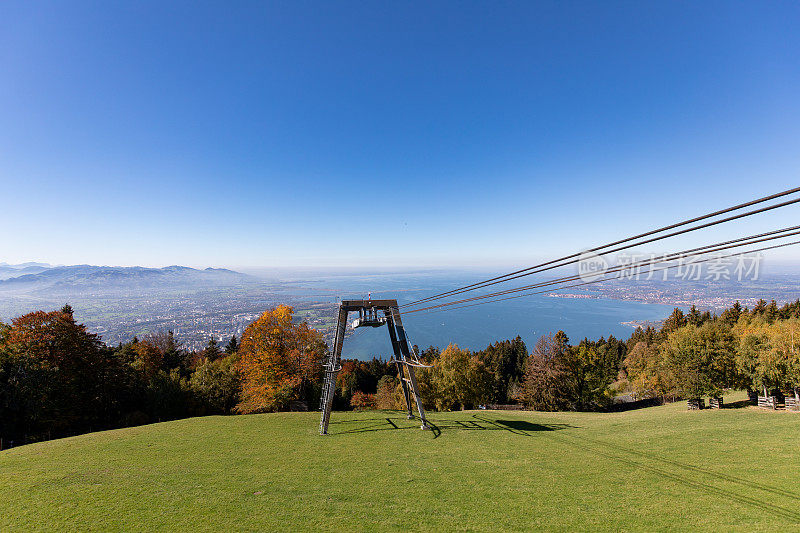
<point x="476" y="327"/>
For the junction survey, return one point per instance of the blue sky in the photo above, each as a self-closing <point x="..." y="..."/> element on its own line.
<point x="386" y="133"/>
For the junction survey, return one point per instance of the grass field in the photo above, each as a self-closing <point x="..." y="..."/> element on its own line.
<point x="662" y="468"/>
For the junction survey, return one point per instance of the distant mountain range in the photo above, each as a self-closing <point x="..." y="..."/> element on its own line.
<point x="26" y="265"/>
<point x="69" y="279"/>
<point x="121" y="302"/>
<point x="12" y="271"/>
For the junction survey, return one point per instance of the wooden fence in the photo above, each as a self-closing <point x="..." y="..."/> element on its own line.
<point x="792" y="404"/>
<point x="505" y="406"/>
<point x="768" y="402"/>
<point x="696" y="403"/>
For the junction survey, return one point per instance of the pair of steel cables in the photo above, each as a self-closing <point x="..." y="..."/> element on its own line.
<point x="693" y="256"/>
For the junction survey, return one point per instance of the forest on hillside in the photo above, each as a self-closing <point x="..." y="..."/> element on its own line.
<point x="57" y="379"/>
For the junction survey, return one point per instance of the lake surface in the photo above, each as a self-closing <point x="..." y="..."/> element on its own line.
<point x="476" y="327"/>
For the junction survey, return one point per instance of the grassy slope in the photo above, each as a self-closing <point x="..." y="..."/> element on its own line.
<point x="661" y="468"/>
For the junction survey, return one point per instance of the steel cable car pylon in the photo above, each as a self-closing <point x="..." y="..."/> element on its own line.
<point x="369" y="316"/>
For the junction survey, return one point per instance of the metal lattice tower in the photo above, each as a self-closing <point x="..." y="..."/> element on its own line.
<point x="369" y="315"/>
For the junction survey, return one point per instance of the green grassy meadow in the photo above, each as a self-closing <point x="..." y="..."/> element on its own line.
<point x="662" y="468"/>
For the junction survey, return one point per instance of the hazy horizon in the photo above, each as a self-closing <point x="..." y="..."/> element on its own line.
<point x="769" y="266"/>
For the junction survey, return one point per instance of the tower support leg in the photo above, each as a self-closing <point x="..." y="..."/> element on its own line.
<point x="332" y="367"/>
<point x="408" y="375"/>
<point x="399" y="362"/>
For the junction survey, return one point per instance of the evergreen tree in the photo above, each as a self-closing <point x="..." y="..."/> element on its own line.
<point x="694" y="317"/>
<point x="212" y="351"/>
<point x="174" y="356"/>
<point x="675" y="321"/>
<point x="232" y="346"/>
<point x="771" y="313"/>
<point x="561" y="340"/>
<point x="732" y="315"/>
<point x="506" y="361"/>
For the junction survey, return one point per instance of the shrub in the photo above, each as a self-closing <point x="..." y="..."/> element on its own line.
<point x="362" y="401"/>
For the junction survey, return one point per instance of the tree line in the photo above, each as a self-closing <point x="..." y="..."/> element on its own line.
<point x="698" y="354"/>
<point x="693" y="355"/>
<point x="57" y="379"/>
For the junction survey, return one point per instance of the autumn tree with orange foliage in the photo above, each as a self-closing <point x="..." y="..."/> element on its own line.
<point x="52" y="375"/>
<point x="53" y="338"/>
<point x="149" y="358"/>
<point x="279" y="362"/>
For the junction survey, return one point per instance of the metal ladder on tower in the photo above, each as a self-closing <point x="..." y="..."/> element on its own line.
<point x="328" y="383"/>
<point x="328" y="390"/>
<point x="332" y="367"/>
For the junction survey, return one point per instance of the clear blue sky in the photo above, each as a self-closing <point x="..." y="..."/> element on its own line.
<point x="384" y="133"/>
